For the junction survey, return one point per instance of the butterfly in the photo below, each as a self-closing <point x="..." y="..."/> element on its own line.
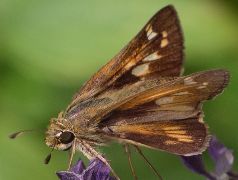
<point x="140" y="98"/>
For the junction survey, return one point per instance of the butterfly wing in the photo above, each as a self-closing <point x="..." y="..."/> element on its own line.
<point x="168" y="117"/>
<point x="157" y="50"/>
<point x="183" y="137"/>
<point x="138" y="98"/>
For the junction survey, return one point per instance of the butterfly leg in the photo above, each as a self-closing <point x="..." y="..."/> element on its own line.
<point x="147" y="162"/>
<point x="71" y="155"/>
<point x="91" y="153"/>
<point x="127" y="150"/>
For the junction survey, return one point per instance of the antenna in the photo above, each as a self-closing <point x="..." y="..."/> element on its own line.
<point x="19" y="133"/>
<point x="48" y="157"/>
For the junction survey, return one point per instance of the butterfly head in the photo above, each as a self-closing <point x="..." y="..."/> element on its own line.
<point x="59" y="134"/>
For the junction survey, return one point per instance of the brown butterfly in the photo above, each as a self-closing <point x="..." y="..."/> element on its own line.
<point x="140" y="99"/>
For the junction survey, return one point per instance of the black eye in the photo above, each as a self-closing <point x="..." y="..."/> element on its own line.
<point x="66" y="137"/>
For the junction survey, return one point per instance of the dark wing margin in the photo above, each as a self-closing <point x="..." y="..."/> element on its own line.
<point x="157" y="50"/>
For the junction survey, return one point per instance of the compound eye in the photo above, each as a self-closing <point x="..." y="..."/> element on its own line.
<point x="66" y="137"/>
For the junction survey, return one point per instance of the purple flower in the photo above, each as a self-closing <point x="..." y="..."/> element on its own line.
<point x="195" y="163"/>
<point x="96" y="170"/>
<point x="222" y="157"/>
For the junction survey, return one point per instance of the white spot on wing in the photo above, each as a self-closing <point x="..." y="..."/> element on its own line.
<point x="150" y="33"/>
<point x="164" y="34"/>
<point x="201" y="87"/>
<point x="182" y="93"/>
<point x="141" y="70"/>
<point x="152" y="57"/>
<point x="164" y="100"/>
<point x="204" y="85"/>
<point x="189" y="81"/>
<point x="164" y="43"/>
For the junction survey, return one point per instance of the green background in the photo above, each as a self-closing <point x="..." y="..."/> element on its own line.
<point x="48" y="48"/>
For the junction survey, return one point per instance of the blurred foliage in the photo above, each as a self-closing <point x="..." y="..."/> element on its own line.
<point x="49" y="48"/>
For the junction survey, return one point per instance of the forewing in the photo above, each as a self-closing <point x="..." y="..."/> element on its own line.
<point x="168" y="117"/>
<point x="157" y="50"/>
<point x="193" y="88"/>
<point x="149" y="94"/>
